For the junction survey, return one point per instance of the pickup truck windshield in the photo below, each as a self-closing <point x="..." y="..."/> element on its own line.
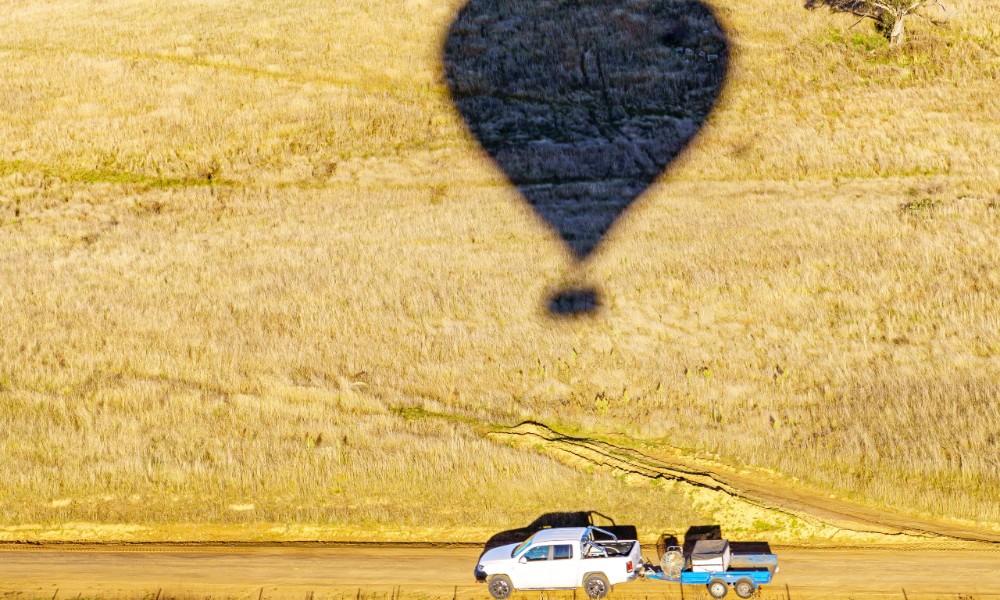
<point x="521" y="546"/>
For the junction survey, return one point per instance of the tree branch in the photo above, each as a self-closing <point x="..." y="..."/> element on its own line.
<point x="920" y="3"/>
<point x="942" y="6"/>
<point x="856" y="23"/>
<point x="889" y="9"/>
<point x="888" y="13"/>
<point x="852" y="9"/>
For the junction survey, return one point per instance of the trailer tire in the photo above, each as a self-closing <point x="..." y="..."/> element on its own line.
<point x="745" y="588"/>
<point x="718" y="588"/>
<point x="500" y="587"/>
<point x="596" y="586"/>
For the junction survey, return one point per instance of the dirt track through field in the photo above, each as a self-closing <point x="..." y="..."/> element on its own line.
<point x="398" y="573"/>
<point x="754" y="488"/>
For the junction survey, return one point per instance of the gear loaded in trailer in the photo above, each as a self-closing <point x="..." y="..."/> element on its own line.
<point x="713" y="564"/>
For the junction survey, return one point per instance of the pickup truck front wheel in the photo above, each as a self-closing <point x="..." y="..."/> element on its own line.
<point x="596" y="586"/>
<point x="500" y="587"/>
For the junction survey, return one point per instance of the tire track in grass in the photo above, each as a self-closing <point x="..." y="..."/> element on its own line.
<point x="753" y="488"/>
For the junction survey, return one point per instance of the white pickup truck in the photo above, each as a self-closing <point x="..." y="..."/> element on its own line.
<point x="561" y="559"/>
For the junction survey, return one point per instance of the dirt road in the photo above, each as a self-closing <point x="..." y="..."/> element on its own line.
<point x="393" y="573"/>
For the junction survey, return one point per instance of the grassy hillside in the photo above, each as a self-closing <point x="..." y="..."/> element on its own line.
<point x="241" y="242"/>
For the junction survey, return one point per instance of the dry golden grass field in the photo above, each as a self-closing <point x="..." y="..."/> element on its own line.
<point x="256" y="280"/>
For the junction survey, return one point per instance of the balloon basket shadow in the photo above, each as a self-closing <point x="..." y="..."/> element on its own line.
<point x="575" y="302"/>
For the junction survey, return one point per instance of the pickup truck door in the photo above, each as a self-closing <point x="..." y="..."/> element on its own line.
<point x="548" y="567"/>
<point x="565" y="567"/>
<point x="532" y="569"/>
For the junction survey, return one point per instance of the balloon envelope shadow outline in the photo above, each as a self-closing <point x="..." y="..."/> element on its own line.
<point x="584" y="103"/>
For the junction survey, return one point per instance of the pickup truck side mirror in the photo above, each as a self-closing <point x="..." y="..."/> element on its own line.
<point x="523" y="560"/>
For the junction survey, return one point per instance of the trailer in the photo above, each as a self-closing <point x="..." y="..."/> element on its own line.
<point x="712" y="563"/>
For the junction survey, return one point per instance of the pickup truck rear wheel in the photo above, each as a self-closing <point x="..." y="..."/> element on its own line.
<point x="500" y="587"/>
<point x="596" y="586"/>
<point x="718" y="588"/>
<point x="744" y="588"/>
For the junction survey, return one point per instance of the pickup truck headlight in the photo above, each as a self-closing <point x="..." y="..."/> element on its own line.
<point x="480" y="574"/>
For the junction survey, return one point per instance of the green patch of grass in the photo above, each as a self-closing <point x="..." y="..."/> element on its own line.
<point x="760" y="526"/>
<point x="110" y="176"/>
<point x="869" y="42"/>
<point x="128" y="178"/>
<point x="920" y="206"/>
<point x="417" y="413"/>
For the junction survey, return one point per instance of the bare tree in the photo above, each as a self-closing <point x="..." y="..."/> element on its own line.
<point x="889" y="15"/>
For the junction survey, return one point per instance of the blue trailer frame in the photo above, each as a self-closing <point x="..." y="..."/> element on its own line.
<point x="722" y="580"/>
<point x="759" y="577"/>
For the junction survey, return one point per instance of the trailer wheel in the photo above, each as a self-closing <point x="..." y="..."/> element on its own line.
<point x="717" y="588"/>
<point x="500" y="587"/>
<point x="596" y="586"/>
<point x="744" y="588"/>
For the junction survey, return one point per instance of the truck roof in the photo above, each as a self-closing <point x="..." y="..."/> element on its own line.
<point x="560" y="534"/>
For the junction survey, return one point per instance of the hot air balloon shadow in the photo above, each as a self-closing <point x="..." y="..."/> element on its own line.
<point x="583" y="104"/>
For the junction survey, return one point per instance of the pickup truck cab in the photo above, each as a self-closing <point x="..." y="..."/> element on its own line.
<point x="561" y="559"/>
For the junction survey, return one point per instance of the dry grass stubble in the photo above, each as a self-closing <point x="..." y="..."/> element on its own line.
<point x="213" y="220"/>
